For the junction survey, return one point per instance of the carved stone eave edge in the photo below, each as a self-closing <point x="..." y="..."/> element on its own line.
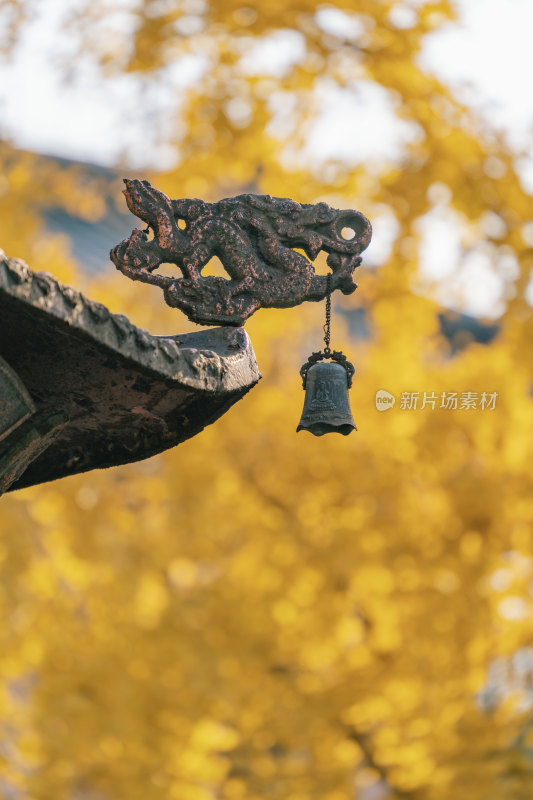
<point x="194" y="366"/>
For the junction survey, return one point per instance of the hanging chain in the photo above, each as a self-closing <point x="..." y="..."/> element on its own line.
<point x="327" y="326"/>
<point x="336" y="355"/>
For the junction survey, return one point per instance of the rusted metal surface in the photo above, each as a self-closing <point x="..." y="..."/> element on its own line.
<point x="334" y="355"/>
<point x="326" y="405"/>
<point x="253" y="236"/>
<point x="96" y="390"/>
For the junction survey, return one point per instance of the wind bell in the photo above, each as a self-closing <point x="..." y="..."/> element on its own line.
<point x="327" y="405"/>
<point x="255" y="237"/>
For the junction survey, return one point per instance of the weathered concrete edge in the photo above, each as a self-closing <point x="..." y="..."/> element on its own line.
<point x="182" y="358"/>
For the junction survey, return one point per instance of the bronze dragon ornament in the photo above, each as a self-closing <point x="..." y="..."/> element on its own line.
<point x="253" y="236"/>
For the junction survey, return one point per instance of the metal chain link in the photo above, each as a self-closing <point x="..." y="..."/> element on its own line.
<point x="327" y="326"/>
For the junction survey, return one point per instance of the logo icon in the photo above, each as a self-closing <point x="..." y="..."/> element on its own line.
<point x="384" y="400"/>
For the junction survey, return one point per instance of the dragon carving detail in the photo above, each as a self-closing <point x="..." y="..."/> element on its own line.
<point x="253" y="236"/>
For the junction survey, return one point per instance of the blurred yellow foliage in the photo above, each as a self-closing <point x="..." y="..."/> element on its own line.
<point x="258" y="614"/>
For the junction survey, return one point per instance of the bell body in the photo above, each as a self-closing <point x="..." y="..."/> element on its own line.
<point x="326" y="405"/>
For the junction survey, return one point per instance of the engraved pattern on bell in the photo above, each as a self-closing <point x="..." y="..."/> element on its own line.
<point x="326" y="405"/>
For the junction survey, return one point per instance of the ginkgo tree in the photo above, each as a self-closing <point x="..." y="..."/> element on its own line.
<point x="257" y="614"/>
